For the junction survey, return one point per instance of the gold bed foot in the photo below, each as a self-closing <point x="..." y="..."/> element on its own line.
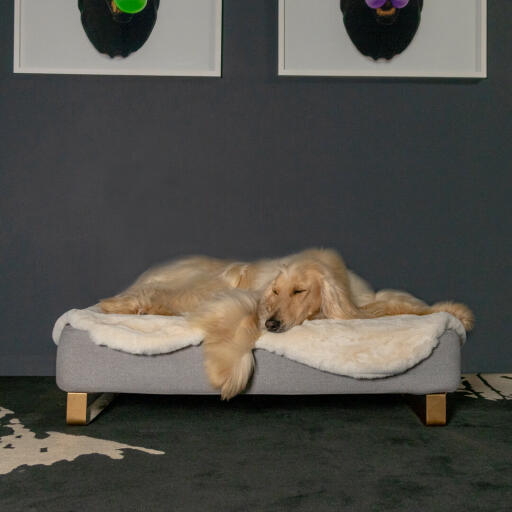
<point x="431" y="409"/>
<point x="435" y="409"/>
<point x="79" y="413"/>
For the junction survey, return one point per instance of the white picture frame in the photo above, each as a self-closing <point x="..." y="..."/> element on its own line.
<point x="305" y="50"/>
<point x="195" y="42"/>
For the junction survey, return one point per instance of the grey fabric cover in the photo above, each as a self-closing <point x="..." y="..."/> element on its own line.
<point x="83" y="366"/>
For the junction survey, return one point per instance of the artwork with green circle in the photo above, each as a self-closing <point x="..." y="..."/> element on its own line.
<point x="131" y="6"/>
<point x="114" y="32"/>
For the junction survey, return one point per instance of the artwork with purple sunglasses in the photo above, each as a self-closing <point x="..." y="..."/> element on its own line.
<point x="376" y="4"/>
<point x="381" y="29"/>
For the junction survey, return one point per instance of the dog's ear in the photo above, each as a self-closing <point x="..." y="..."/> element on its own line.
<point x="336" y="300"/>
<point x="263" y="303"/>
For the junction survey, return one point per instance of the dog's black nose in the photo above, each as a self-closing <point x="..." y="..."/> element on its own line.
<point x="272" y="325"/>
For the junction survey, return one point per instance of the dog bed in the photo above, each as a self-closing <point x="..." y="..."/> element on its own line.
<point x="367" y="349"/>
<point x="409" y="354"/>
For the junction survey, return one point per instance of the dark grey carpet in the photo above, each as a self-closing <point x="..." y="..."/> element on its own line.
<point x="362" y="453"/>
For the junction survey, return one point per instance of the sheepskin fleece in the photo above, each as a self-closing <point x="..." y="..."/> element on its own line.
<point x="366" y="349"/>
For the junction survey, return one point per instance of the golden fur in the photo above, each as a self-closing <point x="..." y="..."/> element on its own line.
<point x="233" y="301"/>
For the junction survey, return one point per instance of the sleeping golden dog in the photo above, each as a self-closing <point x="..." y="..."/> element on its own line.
<point x="233" y="301"/>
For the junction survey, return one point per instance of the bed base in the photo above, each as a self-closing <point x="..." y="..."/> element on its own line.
<point x="431" y="409"/>
<point x="82" y="408"/>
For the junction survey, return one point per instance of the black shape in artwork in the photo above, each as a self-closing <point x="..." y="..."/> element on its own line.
<point x="113" y="32"/>
<point x="381" y="33"/>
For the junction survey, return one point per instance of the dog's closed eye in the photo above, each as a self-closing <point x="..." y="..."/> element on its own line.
<point x="295" y="292"/>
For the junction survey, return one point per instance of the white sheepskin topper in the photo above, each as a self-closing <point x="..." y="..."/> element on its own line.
<point x="364" y="349"/>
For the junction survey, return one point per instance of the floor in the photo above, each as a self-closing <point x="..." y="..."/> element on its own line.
<point x="362" y="453"/>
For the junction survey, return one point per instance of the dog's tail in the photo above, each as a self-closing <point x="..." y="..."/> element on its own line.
<point x="397" y="307"/>
<point x="230" y="324"/>
<point x="458" y="310"/>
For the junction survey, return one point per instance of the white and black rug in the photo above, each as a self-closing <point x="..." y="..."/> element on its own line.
<point x="255" y="452"/>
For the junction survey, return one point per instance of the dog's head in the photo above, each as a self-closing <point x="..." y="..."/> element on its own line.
<point x="381" y="28"/>
<point x="302" y="290"/>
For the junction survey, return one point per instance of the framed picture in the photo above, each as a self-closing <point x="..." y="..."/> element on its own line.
<point x="182" y="38"/>
<point x="446" y="38"/>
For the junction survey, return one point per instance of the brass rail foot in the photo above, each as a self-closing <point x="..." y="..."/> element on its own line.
<point x="79" y="413"/>
<point x="431" y="409"/>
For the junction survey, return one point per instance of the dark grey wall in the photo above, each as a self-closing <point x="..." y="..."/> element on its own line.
<point x="103" y="176"/>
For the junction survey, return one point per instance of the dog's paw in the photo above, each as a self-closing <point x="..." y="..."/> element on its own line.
<point x="231" y="378"/>
<point x="238" y="378"/>
<point x="230" y="389"/>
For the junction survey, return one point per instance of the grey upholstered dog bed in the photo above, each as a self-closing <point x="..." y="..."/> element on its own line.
<point x="84" y="367"/>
